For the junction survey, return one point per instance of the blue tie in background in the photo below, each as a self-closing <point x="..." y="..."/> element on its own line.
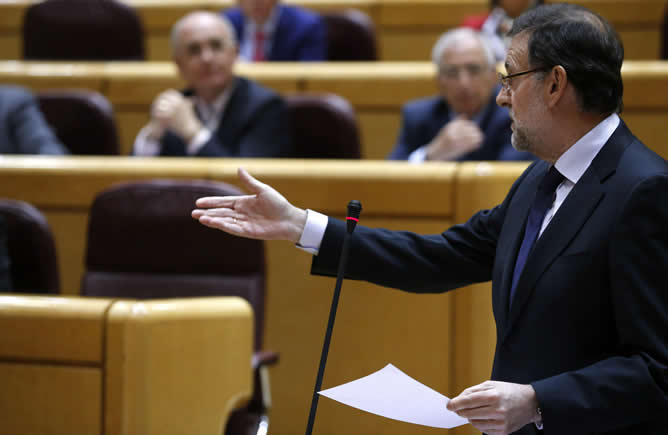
<point x="541" y="204"/>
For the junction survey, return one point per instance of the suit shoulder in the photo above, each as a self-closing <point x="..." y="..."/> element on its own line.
<point x="15" y="94"/>
<point x="257" y="91"/>
<point x="296" y="14"/>
<point x="424" y="105"/>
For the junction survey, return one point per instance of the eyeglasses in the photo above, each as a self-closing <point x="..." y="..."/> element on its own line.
<point x="505" y="79"/>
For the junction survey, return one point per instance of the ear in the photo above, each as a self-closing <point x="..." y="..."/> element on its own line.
<point x="556" y="83"/>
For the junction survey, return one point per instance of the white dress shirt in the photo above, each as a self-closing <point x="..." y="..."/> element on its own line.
<point x="572" y="164"/>
<point x="247" y="43"/>
<point x="208" y="114"/>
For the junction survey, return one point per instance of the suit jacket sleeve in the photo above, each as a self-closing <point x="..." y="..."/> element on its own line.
<point x="632" y="384"/>
<point x="29" y="130"/>
<point x="462" y="255"/>
<point x="313" y="42"/>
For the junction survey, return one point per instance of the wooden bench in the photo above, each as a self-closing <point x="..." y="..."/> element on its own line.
<point x="406" y="29"/>
<point x="87" y="366"/>
<point x="376" y="90"/>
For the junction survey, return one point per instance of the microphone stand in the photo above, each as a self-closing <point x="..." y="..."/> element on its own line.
<point x="354" y="209"/>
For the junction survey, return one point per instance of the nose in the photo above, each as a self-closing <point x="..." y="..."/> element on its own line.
<point x="503" y="98"/>
<point x="464" y="78"/>
<point x="207" y="54"/>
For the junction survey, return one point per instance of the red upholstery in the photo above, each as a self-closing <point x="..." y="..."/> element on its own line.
<point x="351" y="36"/>
<point x="324" y="127"/>
<point x="83" y="120"/>
<point x="31" y="249"/>
<point x="82" y="30"/>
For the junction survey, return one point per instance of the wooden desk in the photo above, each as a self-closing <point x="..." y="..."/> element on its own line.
<point x="93" y="366"/>
<point x="406" y="29"/>
<point x="376" y="90"/>
<point x="374" y="325"/>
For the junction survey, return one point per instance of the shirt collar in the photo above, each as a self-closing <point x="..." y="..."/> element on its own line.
<point x="269" y="27"/>
<point x="574" y="162"/>
<point x="215" y="109"/>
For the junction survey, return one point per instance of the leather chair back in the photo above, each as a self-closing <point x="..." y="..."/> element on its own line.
<point x="351" y="36"/>
<point x="664" y="36"/>
<point x="33" y="261"/>
<point x="82" y="30"/>
<point x="324" y="126"/>
<point x="82" y="120"/>
<point x="143" y="243"/>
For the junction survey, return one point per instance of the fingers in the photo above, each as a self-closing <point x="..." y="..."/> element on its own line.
<point x="249" y="182"/>
<point x="220" y="201"/>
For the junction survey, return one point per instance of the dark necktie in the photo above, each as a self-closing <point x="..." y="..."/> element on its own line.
<point x="541" y="204"/>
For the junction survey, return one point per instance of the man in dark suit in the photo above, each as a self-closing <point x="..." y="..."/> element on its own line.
<point x="463" y="122"/>
<point x="23" y="129"/>
<point x="219" y="114"/>
<point x="268" y="31"/>
<point x="577" y="251"/>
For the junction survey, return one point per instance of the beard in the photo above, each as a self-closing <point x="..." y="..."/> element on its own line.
<point x="520" y="139"/>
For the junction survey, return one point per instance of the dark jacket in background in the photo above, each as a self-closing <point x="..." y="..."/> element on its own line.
<point x="300" y="35"/>
<point x="423" y="119"/>
<point x="23" y="129"/>
<point x="254" y="124"/>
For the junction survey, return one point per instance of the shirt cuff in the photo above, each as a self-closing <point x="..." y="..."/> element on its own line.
<point x="200" y="139"/>
<point x="419" y="155"/>
<point x="314" y="231"/>
<point x="144" y="146"/>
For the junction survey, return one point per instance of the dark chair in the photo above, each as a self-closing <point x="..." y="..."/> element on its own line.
<point x="351" y="36"/>
<point x="142" y="243"/>
<point x="33" y="261"/>
<point x="82" y="30"/>
<point x="324" y="126"/>
<point x="664" y="36"/>
<point x="82" y="120"/>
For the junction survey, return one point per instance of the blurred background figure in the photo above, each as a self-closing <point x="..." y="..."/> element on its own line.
<point x="219" y="114"/>
<point x="269" y="31"/>
<point x="23" y="129"/>
<point x="464" y="121"/>
<point x="496" y="24"/>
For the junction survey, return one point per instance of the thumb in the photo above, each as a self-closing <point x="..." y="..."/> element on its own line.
<point x="253" y="185"/>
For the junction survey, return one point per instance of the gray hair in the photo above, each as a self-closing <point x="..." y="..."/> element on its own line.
<point x="452" y="37"/>
<point x="177" y="27"/>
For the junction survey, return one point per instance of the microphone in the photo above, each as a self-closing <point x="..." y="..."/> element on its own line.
<point x="354" y="210"/>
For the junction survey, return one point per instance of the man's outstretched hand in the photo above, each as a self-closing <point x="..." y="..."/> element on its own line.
<point x="265" y="214"/>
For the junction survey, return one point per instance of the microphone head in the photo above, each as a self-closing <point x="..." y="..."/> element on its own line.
<point x="354" y="210"/>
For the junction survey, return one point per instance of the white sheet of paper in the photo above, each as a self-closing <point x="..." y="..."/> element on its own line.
<point x="391" y="393"/>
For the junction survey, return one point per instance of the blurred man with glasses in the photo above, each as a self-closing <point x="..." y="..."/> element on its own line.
<point x="463" y="122"/>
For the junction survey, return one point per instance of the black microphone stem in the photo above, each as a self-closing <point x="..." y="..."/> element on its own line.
<point x="332" y="312"/>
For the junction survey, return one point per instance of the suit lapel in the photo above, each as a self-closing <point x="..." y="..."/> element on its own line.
<point x="514" y="224"/>
<point x="565" y="225"/>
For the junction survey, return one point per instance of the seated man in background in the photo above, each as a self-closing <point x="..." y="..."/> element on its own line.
<point x="219" y="114"/>
<point x="23" y="129"/>
<point x="464" y="122"/>
<point x="269" y="31"/>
